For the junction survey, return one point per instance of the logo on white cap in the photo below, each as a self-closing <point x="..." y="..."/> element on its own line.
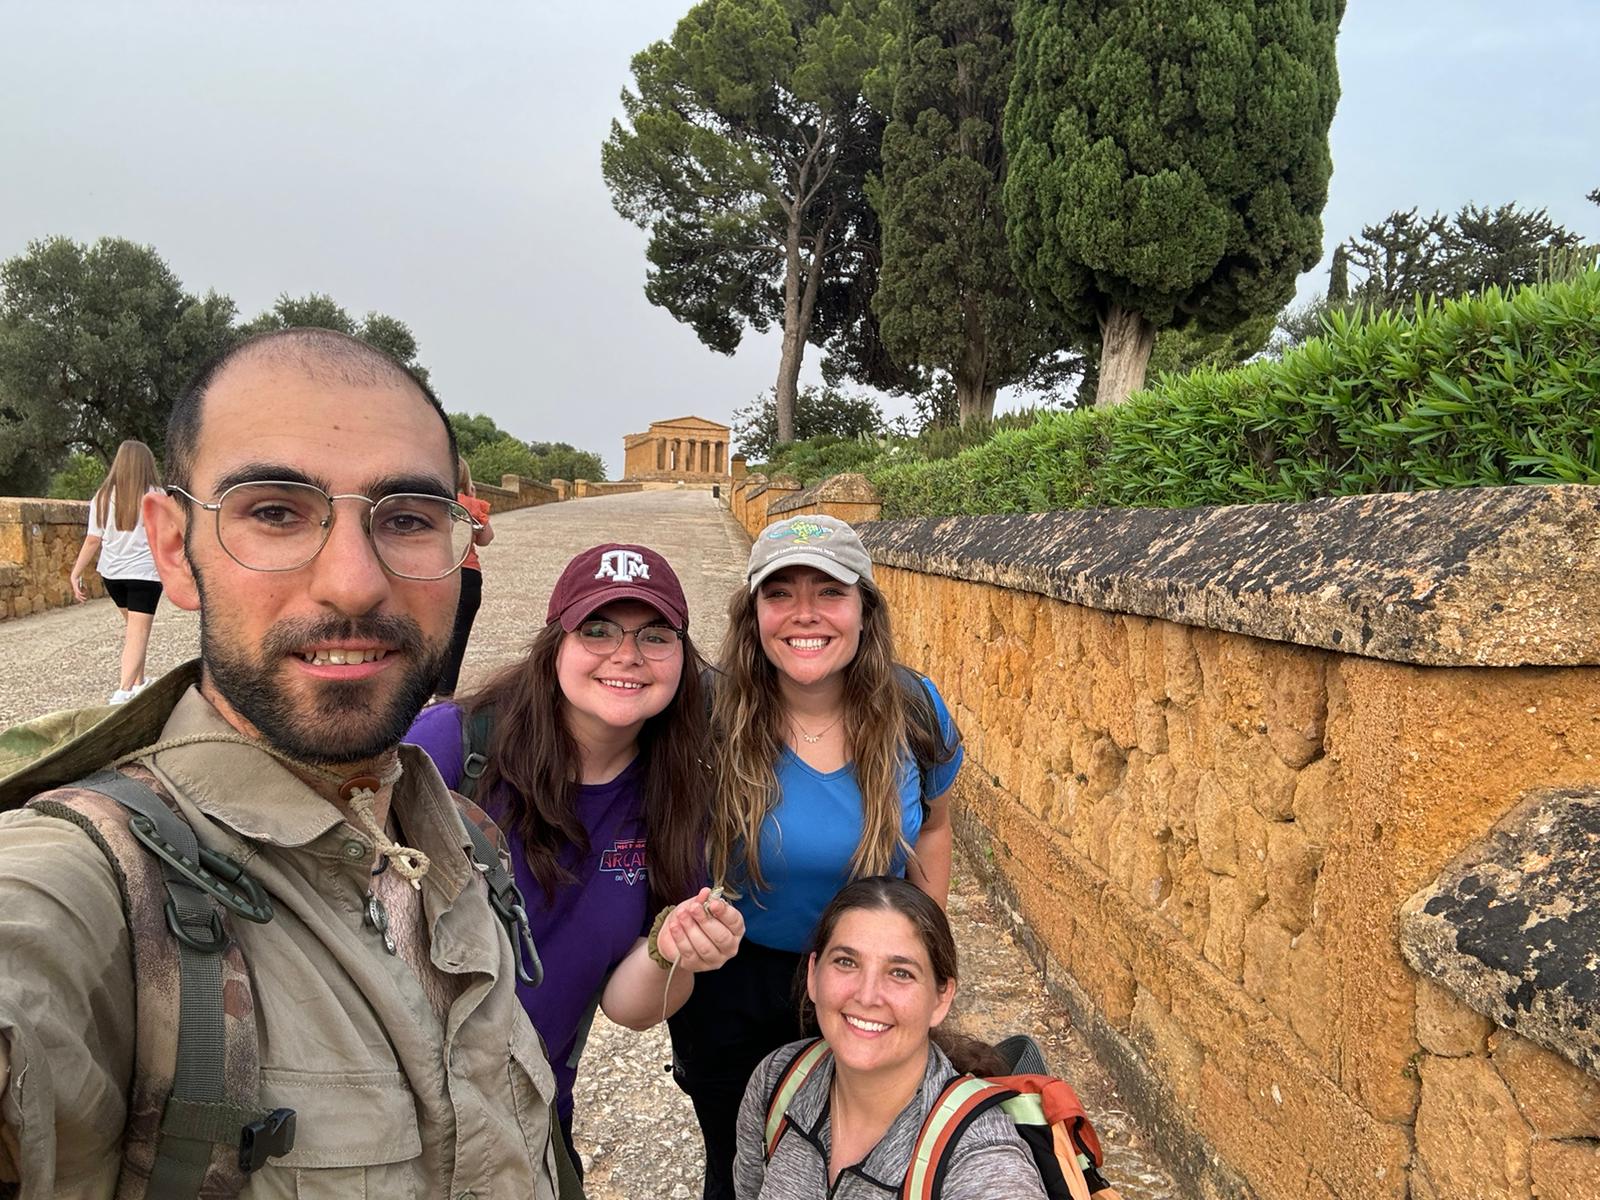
<point x="623" y="565"/>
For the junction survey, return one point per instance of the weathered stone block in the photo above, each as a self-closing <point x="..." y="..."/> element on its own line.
<point x="1224" y="946"/>
<point x="1266" y="964"/>
<point x="1180" y="666"/>
<point x="1168" y="1048"/>
<point x="1566" y="1170"/>
<point x="1318" y="804"/>
<point x="1310" y="1003"/>
<point x="1447" y="1027"/>
<point x="1149" y="725"/>
<point x="1296" y="705"/>
<point x="1292" y="866"/>
<point x="1470" y="1138"/>
<point x="1214" y="820"/>
<point x="1558" y="1100"/>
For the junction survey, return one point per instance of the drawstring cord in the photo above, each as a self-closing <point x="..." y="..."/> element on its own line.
<point x="359" y="792"/>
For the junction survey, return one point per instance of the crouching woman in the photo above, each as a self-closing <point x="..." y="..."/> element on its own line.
<point x="881" y="975"/>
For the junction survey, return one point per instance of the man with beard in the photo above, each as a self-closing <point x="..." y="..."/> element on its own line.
<point x="311" y="519"/>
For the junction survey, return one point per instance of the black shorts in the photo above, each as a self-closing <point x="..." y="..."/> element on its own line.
<point x="135" y="595"/>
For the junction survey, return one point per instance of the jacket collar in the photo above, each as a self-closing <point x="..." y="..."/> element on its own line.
<point x="889" y="1160"/>
<point x="254" y="795"/>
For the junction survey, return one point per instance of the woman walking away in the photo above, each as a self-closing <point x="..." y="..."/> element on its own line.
<point x="471" y="580"/>
<point x="833" y="763"/>
<point x="116" y="535"/>
<point x="590" y="752"/>
<point x="881" y="976"/>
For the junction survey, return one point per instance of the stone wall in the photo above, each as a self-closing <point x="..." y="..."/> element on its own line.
<point x="848" y="497"/>
<point x="39" y="541"/>
<point x="516" y="492"/>
<point x="755" y="495"/>
<point x="1211" y="753"/>
<point x="582" y="488"/>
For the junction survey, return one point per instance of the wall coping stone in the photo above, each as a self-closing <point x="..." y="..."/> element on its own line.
<point x="849" y="488"/>
<point x="1512" y="925"/>
<point x="1463" y="577"/>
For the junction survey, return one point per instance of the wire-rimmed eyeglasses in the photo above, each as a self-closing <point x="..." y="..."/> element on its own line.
<point x="277" y="525"/>
<point x="656" y="640"/>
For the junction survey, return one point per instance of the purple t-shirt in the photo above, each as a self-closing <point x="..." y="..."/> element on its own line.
<point x="594" y="921"/>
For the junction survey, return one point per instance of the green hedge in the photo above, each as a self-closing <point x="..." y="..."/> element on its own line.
<point x="1487" y="390"/>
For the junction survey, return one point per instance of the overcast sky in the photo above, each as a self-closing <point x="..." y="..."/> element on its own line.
<point x="441" y="162"/>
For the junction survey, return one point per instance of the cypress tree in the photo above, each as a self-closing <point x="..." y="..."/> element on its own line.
<point x="1168" y="163"/>
<point x="948" y="299"/>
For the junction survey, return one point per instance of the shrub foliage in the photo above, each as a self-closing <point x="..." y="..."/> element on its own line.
<point x="1500" y="388"/>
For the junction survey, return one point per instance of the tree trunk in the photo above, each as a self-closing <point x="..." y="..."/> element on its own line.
<point x="1126" y="340"/>
<point x="794" y="342"/>
<point x="974" y="389"/>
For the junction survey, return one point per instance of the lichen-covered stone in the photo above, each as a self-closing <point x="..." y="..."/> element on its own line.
<point x="1512" y="926"/>
<point x="1485" y="576"/>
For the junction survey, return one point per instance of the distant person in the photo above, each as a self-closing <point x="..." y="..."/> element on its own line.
<point x="590" y="753"/>
<point x="471" y="580"/>
<point x="116" y="534"/>
<point x="881" y="975"/>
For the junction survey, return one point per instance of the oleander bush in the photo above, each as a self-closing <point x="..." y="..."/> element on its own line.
<point x="1500" y="388"/>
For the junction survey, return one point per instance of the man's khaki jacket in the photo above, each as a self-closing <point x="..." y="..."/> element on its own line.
<point x="388" y="1103"/>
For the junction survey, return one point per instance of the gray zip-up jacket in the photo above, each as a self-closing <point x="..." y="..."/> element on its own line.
<point x="988" y="1161"/>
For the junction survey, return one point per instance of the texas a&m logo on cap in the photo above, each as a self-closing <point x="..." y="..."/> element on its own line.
<point x="624" y="566"/>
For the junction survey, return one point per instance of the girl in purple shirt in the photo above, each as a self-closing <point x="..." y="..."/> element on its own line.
<point x="596" y="773"/>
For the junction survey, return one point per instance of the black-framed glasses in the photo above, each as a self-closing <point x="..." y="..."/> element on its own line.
<point x="276" y="525"/>
<point x="656" y="640"/>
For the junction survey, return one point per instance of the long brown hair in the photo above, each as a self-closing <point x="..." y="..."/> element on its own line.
<point x="886" y="893"/>
<point x="534" y="769"/>
<point x="748" y="714"/>
<point x="132" y="474"/>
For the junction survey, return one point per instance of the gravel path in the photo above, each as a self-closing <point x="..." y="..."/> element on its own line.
<point x="635" y="1129"/>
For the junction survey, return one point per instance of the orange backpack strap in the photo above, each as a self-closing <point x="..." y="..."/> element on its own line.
<point x="194" y="1124"/>
<point x="789" y="1084"/>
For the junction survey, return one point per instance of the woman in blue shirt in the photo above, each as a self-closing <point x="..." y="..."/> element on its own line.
<point x="833" y="763"/>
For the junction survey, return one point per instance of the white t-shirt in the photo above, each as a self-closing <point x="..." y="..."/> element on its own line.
<point x="124" y="553"/>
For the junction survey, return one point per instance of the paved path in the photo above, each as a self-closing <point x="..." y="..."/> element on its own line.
<point x="635" y="1129"/>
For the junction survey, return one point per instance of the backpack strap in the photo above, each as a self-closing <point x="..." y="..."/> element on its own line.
<point x="504" y="897"/>
<point x="477" y="727"/>
<point x="963" y="1100"/>
<point x="812" y="1055"/>
<point x="921" y="713"/>
<point x="194" y="1116"/>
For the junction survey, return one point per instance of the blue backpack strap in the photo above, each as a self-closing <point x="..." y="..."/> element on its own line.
<point x="811" y="1056"/>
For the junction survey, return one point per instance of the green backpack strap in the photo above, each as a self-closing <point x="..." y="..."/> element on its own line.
<point x="794" y="1076"/>
<point x="963" y="1099"/>
<point x="477" y="727"/>
<point x="506" y="900"/>
<point x="212" y="1132"/>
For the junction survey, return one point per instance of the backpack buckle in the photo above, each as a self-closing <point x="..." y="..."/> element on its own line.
<point x="267" y="1137"/>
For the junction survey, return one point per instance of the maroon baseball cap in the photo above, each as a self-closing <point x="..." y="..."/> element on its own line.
<point x="614" y="571"/>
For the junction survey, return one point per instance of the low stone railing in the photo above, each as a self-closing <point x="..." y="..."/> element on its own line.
<point x="756" y="500"/>
<point x="39" y="541"/>
<point x="515" y="492"/>
<point x="1233" y="771"/>
<point x="582" y="488"/>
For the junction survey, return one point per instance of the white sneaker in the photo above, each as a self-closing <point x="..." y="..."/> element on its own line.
<point x="120" y="696"/>
<point x="137" y="688"/>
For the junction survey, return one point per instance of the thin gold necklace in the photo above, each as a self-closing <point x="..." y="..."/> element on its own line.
<point x="812" y="739"/>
